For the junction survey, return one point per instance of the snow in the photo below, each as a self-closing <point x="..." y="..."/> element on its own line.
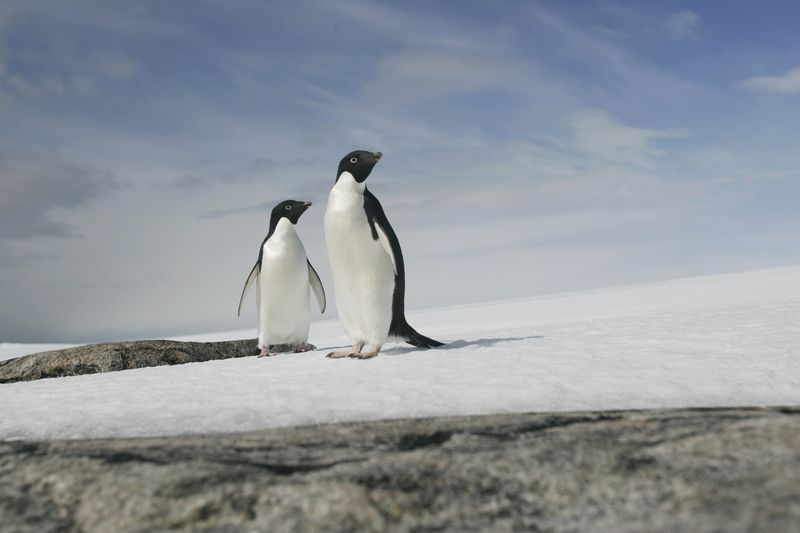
<point x="724" y="340"/>
<point x="10" y="350"/>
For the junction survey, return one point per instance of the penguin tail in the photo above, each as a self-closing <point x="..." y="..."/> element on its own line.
<point x="406" y="333"/>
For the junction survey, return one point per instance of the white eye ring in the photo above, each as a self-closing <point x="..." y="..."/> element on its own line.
<point x="354" y="160"/>
<point x="288" y="208"/>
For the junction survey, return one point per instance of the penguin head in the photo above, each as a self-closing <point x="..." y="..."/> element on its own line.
<point x="290" y="209"/>
<point x="359" y="164"/>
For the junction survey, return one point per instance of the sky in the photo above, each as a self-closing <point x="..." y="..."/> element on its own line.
<point x="529" y="148"/>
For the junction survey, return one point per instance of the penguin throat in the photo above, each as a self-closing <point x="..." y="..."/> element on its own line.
<point x="347" y="183"/>
<point x="283" y="226"/>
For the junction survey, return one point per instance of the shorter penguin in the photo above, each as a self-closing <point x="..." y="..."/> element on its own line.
<point x="283" y="274"/>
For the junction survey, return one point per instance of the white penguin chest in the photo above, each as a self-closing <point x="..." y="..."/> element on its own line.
<point x="284" y="308"/>
<point x="348" y="233"/>
<point x="283" y="251"/>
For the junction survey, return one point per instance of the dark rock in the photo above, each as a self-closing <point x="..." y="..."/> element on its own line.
<point x="113" y="356"/>
<point x="673" y="470"/>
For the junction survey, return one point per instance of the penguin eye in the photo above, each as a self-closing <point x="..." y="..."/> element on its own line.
<point x="288" y="208"/>
<point x="354" y="160"/>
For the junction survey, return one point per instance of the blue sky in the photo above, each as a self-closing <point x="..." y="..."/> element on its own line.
<point x="530" y="148"/>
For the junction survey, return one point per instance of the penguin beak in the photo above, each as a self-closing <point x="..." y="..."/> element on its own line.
<point x="377" y="156"/>
<point x="306" y="204"/>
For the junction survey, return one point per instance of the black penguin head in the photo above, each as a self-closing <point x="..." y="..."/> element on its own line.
<point x="358" y="163"/>
<point x="290" y="209"/>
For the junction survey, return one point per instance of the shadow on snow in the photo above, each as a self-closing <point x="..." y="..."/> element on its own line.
<point x="454" y="345"/>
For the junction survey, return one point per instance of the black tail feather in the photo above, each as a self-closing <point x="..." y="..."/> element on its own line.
<point x="413" y="337"/>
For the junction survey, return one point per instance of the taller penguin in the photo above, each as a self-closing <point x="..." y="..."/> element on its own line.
<point x="366" y="262"/>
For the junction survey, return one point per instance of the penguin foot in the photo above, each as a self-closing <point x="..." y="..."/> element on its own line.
<point x="339" y="355"/>
<point x="265" y="352"/>
<point x="369" y="354"/>
<point x="304" y="348"/>
<point x="357" y="347"/>
<point x="363" y="355"/>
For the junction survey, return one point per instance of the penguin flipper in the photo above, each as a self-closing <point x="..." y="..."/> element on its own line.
<point x="316" y="286"/>
<point x="252" y="277"/>
<point x="383" y="232"/>
<point x="384" y="240"/>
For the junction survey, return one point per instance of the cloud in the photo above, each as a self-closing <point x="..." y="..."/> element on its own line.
<point x="683" y="25"/>
<point x="116" y="67"/>
<point x="787" y="83"/>
<point x="423" y="74"/>
<point x="6" y="15"/>
<point x="34" y="185"/>
<point x="219" y="213"/>
<point x="12" y="258"/>
<point x="599" y="135"/>
<point x="56" y="77"/>
<point x="405" y="28"/>
<point x="286" y="176"/>
<point x="3" y="54"/>
<point x="631" y="78"/>
<point x="83" y="86"/>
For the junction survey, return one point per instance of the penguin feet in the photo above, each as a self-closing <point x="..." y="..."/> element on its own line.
<point x="357" y="347"/>
<point x="339" y="355"/>
<point x="356" y="353"/>
<point x="305" y="347"/>
<point x="265" y="352"/>
<point x="369" y="354"/>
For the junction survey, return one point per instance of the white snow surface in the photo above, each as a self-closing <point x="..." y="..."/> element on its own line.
<point x="10" y="350"/>
<point x="724" y="340"/>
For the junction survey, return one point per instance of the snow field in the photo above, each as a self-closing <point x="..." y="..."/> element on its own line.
<point x="725" y="340"/>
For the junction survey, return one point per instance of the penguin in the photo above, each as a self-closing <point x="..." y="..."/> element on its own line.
<point x="283" y="274"/>
<point x="366" y="262"/>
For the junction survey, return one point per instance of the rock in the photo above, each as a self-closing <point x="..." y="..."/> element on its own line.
<point x="670" y="470"/>
<point x="113" y="356"/>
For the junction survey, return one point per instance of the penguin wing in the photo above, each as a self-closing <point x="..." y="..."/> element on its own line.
<point x="384" y="239"/>
<point x="382" y="231"/>
<point x="316" y="285"/>
<point x="253" y="275"/>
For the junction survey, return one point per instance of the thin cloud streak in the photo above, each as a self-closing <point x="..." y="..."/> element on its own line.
<point x="684" y="25"/>
<point x="787" y="83"/>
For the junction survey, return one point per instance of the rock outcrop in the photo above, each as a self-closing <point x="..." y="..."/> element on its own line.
<point x="673" y="470"/>
<point x="113" y="356"/>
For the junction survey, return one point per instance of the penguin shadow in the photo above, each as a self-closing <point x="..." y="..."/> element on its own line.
<point x="461" y="343"/>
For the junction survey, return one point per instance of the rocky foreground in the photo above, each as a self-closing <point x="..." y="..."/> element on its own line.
<point x="114" y="356"/>
<point x="672" y="470"/>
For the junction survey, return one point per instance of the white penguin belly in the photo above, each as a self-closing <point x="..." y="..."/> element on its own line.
<point x="363" y="275"/>
<point x="283" y="308"/>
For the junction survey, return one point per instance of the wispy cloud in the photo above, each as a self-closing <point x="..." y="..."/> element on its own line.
<point x="35" y="184"/>
<point x="406" y="28"/>
<point x="37" y="72"/>
<point x="3" y="50"/>
<point x="7" y="13"/>
<point x="787" y="83"/>
<point x="115" y="67"/>
<point x="611" y="66"/>
<point x="601" y="136"/>
<point x="421" y="74"/>
<point x="683" y="25"/>
<point x="219" y="213"/>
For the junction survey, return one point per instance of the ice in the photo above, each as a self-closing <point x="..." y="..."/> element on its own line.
<point x="725" y="340"/>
